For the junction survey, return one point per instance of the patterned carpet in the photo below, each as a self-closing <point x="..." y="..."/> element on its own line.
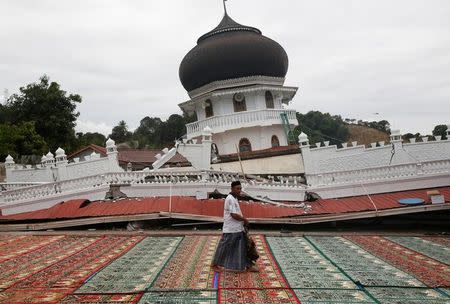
<point x="309" y="270"/>
<point x="431" y="272"/>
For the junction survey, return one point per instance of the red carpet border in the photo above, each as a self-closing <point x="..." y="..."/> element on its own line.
<point x="424" y="268"/>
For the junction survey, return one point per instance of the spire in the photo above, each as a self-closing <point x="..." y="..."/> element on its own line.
<point x="225" y="7"/>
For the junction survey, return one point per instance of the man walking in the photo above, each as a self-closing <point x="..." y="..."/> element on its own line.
<point x="231" y="252"/>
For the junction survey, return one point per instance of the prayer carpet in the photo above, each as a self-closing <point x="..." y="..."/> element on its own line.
<point x="134" y="271"/>
<point x="190" y="266"/>
<point x="179" y="297"/>
<point x="48" y="296"/>
<point x="431" y="272"/>
<point x="19" y="268"/>
<point x="101" y="299"/>
<point x="445" y="241"/>
<point x="74" y="270"/>
<point x="304" y="266"/>
<point x="332" y="296"/>
<point x="266" y="286"/>
<point x="392" y="295"/>
<point x="361" y="266"/>
<point x="436" y="251"/>
<point x="12" y="248"/>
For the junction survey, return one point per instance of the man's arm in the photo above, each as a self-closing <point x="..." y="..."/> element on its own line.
<point x="240" y="218"/>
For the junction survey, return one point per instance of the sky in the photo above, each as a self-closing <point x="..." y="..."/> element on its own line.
<point x="354" y="58"/>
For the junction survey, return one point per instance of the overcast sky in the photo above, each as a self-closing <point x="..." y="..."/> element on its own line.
<point x="353" y="58"/>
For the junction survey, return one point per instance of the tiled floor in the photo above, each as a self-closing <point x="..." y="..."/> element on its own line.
<point x="175" y="269"/>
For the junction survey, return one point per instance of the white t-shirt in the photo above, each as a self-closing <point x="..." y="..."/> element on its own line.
<point x="230" y="225"/>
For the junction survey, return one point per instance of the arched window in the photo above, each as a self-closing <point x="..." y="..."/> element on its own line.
<point x="269" y="100"/>
<point x="239" y="102"/>
<point x="209" y="108"/>
<point x="245" y="145"/>
<point x="275" y="141"/>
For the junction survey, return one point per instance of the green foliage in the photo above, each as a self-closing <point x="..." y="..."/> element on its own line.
<point x="19" y="140"/>
<point x="440" y="130"/>
<point x="322" y="127"/>
<point x="50" y="108"/>
<point x="120" y="133"/>
<point x="148" y="133"/>
<point x="85" y="139"/>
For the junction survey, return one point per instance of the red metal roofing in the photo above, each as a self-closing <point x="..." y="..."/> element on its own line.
<point x="214" y="207"/>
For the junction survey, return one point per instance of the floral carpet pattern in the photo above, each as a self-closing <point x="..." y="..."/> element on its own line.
<point x="115" y="269"/>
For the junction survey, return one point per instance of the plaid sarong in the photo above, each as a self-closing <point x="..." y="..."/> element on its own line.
<point x="231" y="252"/>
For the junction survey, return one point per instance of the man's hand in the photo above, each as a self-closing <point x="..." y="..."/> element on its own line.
<point x="246" y="222"/>
<point x="239" y="217"/>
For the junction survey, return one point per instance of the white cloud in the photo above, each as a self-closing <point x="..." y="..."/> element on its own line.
<point x="349" y="57"/>
<point x="89" y="126"/>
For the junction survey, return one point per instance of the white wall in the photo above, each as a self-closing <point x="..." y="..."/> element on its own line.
<point x="259" y="137"/>
<point x="223" y="105"/>
<point x="279" y="165"/>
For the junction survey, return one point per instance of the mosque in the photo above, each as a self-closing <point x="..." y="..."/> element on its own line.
<point x="235" y="79"/>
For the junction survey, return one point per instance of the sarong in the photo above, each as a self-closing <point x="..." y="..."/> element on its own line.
<point x="231" y="252"/>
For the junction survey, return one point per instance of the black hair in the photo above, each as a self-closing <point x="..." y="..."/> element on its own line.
<point x="235" y="183"/>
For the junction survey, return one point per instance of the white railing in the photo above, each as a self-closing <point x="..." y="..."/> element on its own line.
<point x="386" y="173"/>
<point x="12" y="186"/>
<point x="197" y="179"/>
<point x="240" y="119"/>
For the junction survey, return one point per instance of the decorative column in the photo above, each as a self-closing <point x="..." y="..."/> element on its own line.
<point x="308" y="162"/>
<point x="9" y="166"/>
<point x="61" y="164"/>
<point x="206" y="148"/>
<point x="113" y="155"/>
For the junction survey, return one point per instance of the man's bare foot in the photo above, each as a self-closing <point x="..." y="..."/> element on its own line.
<point x="253" y="269"/>
<point x="217" y="268"/>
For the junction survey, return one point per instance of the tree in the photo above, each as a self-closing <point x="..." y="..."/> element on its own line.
<point x="173" y="128"/>
<point x="120" y="133"/>
<point x="85" y="139"/>
<point x="20" y="140"/>
<point x="148" y="132"/>
<point x="50" y="108"/>
<point x="440" y="130"/>
<point x="322" y="127"/>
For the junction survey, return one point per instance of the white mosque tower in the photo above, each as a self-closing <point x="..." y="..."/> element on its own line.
<point x="235" y="79"/>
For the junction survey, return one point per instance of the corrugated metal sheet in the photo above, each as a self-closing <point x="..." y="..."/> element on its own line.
<point x="189" y="205"/>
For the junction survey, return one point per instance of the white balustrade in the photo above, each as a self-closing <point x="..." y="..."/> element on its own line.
<point x="397" y="172"/>
<point x="240" y="119"/>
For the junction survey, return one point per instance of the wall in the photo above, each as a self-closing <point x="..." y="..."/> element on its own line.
<point x="259" y="137"/>
<point x="331" y="159"/>
<point x="283" y="164"/>
<point x="328" y="166"/>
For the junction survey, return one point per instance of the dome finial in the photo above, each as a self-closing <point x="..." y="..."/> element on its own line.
<point x="225" y="7"/>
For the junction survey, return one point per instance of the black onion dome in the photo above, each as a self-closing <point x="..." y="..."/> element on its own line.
<point x="229" y="51"/>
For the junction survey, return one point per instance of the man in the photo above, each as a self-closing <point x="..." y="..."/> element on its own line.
<point x="231" y="253"/>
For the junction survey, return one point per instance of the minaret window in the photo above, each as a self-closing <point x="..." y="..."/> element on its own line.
<point x="245" y="145"/>
<point x="209" y="112"/>
<point x="239" y="102"/>
<point x="275" y="141"/>
<point x="269" y="100"/>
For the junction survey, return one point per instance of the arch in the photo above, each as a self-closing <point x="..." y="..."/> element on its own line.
<point x="269" y="100"/>
<point x="275" y="141"/>
<point x="245" y="145"/>
<point x="209" y="112"/>
<point x="239" y="104"/>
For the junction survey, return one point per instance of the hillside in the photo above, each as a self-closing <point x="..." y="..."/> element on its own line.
<point x="365" y="135"/>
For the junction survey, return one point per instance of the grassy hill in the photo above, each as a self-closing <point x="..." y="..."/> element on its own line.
<point x="365" y="135"/>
